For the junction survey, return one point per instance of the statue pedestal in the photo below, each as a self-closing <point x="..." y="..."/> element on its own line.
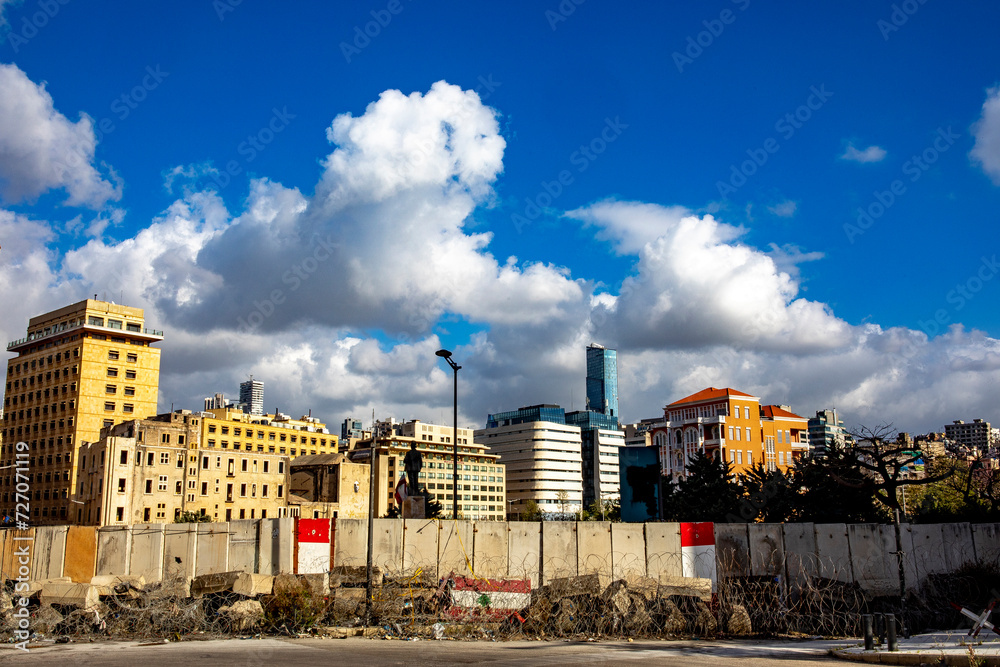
<point x="414" y="507"/>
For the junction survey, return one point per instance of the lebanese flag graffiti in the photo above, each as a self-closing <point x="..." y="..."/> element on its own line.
<point x="698" y="550"/>
<point x="313" y="546"/>
<point x="401" y="491"/>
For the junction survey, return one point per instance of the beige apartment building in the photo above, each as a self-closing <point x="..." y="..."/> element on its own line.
<point x="155" y="470"/>
<point x="482" y="485"/>
<point x="78" y="369"/>
<point x="234" y="430"/>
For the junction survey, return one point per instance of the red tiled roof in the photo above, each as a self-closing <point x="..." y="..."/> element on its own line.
<point x="710" y="394"/>
<point x="773" y="411"/>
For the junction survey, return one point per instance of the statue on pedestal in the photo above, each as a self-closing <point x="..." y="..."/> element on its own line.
<point x="413" y="462"/>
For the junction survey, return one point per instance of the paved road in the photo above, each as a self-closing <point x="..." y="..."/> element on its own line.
<point x="359" y="652"/>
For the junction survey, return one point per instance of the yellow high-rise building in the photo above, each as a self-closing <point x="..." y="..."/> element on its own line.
<point x="79" y="369"/>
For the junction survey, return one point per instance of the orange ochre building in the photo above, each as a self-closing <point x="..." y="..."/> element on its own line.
<point x="730" y="424"/>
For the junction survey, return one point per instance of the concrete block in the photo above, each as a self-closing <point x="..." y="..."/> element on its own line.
<point x="319" y="584"/>
<point x="114" y="546"/>
<point x="414" y="507"/>
<point x="108" y="584"/>
<point x="146" y="553"/>
<point x="180" y="555"/>
<point x="489" y="557"/>
<point x="174" y="587"/>
<point x="354" y="576"/>
<point x="81" y="553"/>
<point x="213" y="548"/>
<point x="350" y="542"/>
<point x="870" y="560"/>
<point x="663" y="549"/>
<point x="250" y="585"/>
<point x="242" y="616"/>
<point x="215" y="582"/>
<point x="455" y="546"/>
<point x="685" y="586"/>
<point x="84" y="596"/>
<point x="277" y="545"/>
<point x="834" y="552"/>
<point x="524" y="543"/>
<point x="387" y="544"/>
<point x="584" y="584"/>
<point x="732" y="549"/>
<point x="959" y="547"/>
<point x="801" y="562"/>
<point x="559" y="551"/>
<point x="420" y="547"/>
<point x="767" y="549"/>
<point x="243" y="545"/>
<point x="986" y="538"/>
<point x="594" y="547"/>
<point x="628" y="550"/>
<point x="48" y="553"/>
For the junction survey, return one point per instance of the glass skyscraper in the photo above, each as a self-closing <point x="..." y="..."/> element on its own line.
<point x="602" y="380"/>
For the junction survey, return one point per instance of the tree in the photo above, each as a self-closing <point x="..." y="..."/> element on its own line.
<point x="708" y="493"/>
<point x="433" y="507"/>
<point x="768" y="495"/>
<point x="828" y="491"/>
<point x="562" y="495"/>
<point x="193" y="517"/>
<point x="532" y="512"/>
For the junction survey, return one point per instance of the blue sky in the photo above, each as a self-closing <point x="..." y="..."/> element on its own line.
<point x="651" y="176"/>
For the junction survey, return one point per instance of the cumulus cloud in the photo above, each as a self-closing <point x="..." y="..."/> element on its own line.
<point x="870" y="154"/>
<point x="41" y="150"/>
<point x="697" y="285"/>
<point x="986" y="151"/>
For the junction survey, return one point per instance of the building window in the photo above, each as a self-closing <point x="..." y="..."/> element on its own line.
<point x="110" y="389"/>
<point x="95" y="321"/>
<point x="162" y="486"/>
<point x="164" y="458"/>
<point x="178" y="488"/>
<point x="121" y="485"/>
<point x="112" y="372"/>
<point x="132" y="357"/>
<point x="128" y="408"/>
<point x="244" y="465"/>
<point x="149" y="486"/>
<point x="129" y="375"/>
<point x="113" y="355"/>
<point x="114" y="324"/>
<point x="243" y="490"/>
<point x="109" y="406"/>
<point x="134" y="328"/>
<point x="129" y="391"/>
<point x="748" y="434"/>
<point x="263" y="491"/>
<point x="281" y="490"/>
<point x="123" y="460"/>
<point x="204" y="488"/>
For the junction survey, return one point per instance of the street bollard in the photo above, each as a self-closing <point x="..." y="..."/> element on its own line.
<point x="890" y="632"/>
<point x="879" y="628"/>
<point x="866" y="624"/>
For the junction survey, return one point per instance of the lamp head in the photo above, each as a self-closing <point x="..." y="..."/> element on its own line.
<point x="443" y="353"/>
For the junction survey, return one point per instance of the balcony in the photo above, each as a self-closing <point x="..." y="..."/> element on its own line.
<point x="151" y="335"/>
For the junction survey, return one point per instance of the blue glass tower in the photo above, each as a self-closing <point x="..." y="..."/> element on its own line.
<point x="602" y="380"/>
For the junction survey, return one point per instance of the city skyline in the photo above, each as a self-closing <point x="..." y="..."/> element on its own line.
<point x="727" y="196"/>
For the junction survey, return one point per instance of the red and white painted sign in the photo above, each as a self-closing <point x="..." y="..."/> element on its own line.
<point x="497" y="598"/>
<point x="698" y="550"/>
<point x="312" y="538"/>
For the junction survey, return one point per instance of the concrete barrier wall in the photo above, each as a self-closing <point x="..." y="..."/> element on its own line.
<point x="861" y="553"/>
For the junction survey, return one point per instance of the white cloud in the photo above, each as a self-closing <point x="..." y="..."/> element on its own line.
<point x="870" y="154"/>
<point x="785" y="209"/>
<point x="40" y="149"/>
<point x="986" y="130"/>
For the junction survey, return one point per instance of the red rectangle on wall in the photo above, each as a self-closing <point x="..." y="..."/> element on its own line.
<point x="314" y="530"/>
<point x="698" y="534"/>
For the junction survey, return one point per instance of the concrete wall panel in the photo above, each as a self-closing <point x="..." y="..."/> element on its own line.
<point x="49" y="552"/>
<point x="11" y="543"/>
<point x="81" y="553"/>
<point x="243" y="545"/>
<point x="663" y="549"/>
<point x="524" y="546"/>
<point x="455" y="542"/>
<point x="801" y="563"/>
<point x="834" y="552"/>
<point x="986" y="538"/>
<point x="870" y="560"/>
<point x="350" y="542"/>
<point x="927" y="550"/>
<point x="959" y="548"/>
<point x="213" y="548"/>
<point x="114" y="548"/>
<point x="489" y="558"/>
<point x="628" y="550"/>
<point x="767" y="549"/>
<point x="559" y="550"/>
<point x="732" y="549"/>
<point x="420" y="547"/>
<point x="277" y="545"/>
<point x="594" y="547"/>
<point x="146" y="553"/>
<point x="387" y="545"/>
<point x="180" y="555"/>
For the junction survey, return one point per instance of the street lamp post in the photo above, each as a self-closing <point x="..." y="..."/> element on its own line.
<point x="511" y="503"/>
<point x="446" y="355"/>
